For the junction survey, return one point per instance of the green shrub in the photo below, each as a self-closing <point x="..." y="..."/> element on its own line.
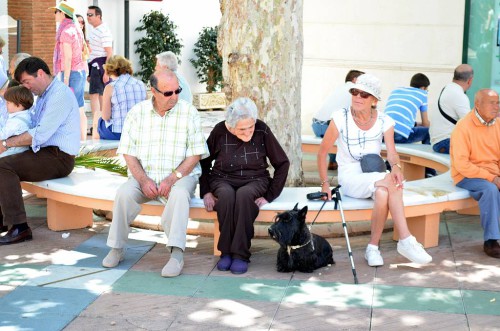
<point x="208" y="63"/>
<point x="160" y="37"/>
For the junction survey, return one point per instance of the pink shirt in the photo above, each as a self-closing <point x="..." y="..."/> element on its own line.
<point x="71" y="35"/>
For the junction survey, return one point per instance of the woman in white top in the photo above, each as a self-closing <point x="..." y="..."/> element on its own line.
<point x="358" y="131"/>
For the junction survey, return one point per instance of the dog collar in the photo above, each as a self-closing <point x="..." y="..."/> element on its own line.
<point x="290" y="248"/>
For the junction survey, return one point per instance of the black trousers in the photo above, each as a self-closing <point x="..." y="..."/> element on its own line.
<point x="237" y="211"/>
<point x="47" y="163"/>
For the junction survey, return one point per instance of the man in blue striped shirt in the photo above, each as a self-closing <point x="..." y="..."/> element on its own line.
<point x="54" y="141"/>
<point x="402" y="107"/>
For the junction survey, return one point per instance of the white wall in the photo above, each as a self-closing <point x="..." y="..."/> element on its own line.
<point x="392" y="39"/>
<point x="4" y="32"/>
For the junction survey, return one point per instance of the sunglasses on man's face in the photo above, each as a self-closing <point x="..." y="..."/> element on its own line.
<point x="90" y="14"/>
<point x="169" y="93"/>
<point x="354" y="92"/>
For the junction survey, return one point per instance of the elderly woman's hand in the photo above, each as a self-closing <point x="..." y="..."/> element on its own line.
<point x="209" y="201"/>
<point x="397" y="177"/>
<point x="261" y="202"/>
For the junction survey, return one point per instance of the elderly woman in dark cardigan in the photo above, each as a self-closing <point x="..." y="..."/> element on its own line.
<point x="235" y="180"/>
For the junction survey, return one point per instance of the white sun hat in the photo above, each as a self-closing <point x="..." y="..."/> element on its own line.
<point x="368" y="83"/>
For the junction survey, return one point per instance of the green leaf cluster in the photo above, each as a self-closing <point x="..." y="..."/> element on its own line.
<point x="208" y="62"/>
<point x="92" y="161"/>
<point x="160" y="37"/>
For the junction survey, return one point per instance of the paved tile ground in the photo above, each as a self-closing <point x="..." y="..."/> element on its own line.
<point x="52" y="283"/>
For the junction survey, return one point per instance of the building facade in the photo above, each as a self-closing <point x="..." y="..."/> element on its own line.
<point x="392" y="39"/>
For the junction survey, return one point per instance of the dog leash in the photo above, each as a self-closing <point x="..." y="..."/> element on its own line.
<point x="290" y="248"/>
<point x="319" y="211"/>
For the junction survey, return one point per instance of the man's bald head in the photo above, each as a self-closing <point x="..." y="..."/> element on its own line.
<point x="486" y="104"/>
<point x="161" y="77"/>
<point x="463" y="73"/>
<point x="482" y="93"/>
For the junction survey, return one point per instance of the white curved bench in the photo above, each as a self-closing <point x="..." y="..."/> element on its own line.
<point x="414" y="157"/>
<point x="70" y="200"/>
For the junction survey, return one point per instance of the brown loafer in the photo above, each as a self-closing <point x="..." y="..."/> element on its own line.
<point x="14" y="236"/>
<point x="492" y="249"/>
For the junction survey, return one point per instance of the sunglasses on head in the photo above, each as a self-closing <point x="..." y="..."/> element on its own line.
<point x="169" y="93"/>
<point x="354" y="92"/>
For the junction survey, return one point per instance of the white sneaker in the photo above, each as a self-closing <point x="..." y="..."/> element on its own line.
<point x="372" y="255"/>
<point x="413" y="251"/>
<point x="172" y="269"/>
<point x="114" y="257"/>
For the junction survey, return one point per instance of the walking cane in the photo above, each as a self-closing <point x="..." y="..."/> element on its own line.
<point x="338" y="202"/>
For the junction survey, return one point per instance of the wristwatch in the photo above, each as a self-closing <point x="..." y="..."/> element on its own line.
<point x="178" y="174"/>
<point x="4" y="144"/>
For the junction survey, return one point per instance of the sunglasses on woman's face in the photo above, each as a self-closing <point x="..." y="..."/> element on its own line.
<point x="169" y="93"/>
<point x="354" y="92"/>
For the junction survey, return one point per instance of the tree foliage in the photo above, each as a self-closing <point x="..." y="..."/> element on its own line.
<point x="160" y="37"/>
<point x="208" y="62"/>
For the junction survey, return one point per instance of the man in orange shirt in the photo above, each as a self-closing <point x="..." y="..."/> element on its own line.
<point x="475" y="163"/>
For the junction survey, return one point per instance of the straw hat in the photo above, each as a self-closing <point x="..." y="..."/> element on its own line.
<point x="65" y="8"/>
<point x="369" y="84"/>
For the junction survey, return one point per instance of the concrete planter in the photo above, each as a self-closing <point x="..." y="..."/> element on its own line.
<point x="209" y="101"/>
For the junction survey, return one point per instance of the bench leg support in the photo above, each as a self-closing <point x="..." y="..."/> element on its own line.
<point x="62" y="216"/>
<point x="424" y="228"/>
<point x="469" y="211"/>
<point x="413" y="171"/>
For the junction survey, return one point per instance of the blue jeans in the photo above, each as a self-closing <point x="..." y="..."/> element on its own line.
<point x="419" y="134"/>
<point x="488" y="196"/>
<point x="319" y="131"/>
<point x="442" y="147"/>
<point x="77" y="81"/>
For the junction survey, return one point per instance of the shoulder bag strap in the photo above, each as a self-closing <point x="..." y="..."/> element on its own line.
<point x="448" y="117"/>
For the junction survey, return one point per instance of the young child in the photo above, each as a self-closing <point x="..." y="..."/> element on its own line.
<point x="18" y="101"/>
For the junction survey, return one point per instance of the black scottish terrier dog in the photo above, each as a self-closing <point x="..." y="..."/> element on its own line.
<point x="299" y="249"/>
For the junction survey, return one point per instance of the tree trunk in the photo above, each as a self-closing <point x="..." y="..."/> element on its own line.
<point x="261" y="45"/>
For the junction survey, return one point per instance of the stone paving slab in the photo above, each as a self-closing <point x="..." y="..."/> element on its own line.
<point x="459" y="290"/>
<point x="42" y="308"/>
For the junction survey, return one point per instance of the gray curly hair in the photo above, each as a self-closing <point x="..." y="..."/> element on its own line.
<point x="240" y="109"/>
<point x="167" y="59"/>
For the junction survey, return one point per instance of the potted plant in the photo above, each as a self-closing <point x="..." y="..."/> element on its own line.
<point x="208" y="65"/>
<point x="160" y="37"/>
